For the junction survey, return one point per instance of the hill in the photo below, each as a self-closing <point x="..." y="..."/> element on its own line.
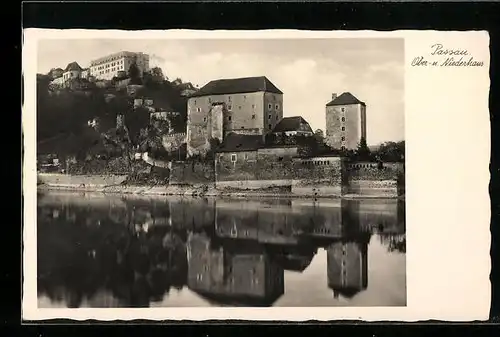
<point x="68" y="111"/>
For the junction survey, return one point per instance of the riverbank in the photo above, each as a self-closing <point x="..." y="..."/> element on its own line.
<point x="118" y="185"/>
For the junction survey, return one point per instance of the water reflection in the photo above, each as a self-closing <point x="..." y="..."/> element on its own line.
<point x="98" y="251"/>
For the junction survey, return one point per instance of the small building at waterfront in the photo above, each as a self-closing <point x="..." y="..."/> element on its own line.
<point x="292" y="126"/>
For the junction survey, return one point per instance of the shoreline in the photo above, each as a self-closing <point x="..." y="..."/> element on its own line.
<point x="198" y="191"/>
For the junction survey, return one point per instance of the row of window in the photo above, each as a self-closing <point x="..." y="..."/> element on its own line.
<point x="269" y="106"/>
<point x="316" y="163"/>
<point x="109" y="65"/>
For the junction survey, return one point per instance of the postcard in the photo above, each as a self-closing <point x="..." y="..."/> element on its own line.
<point x="258" y="175"/>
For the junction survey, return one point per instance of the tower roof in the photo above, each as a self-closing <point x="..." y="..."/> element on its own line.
<point x="237" y="86"/>
<point x="345" y="99"/>
<point x="73" y="66"/>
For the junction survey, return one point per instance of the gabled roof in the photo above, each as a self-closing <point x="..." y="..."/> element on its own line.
<point x="290" y="124"/>
<point x="73" y="66"/>
<point x="237" y="86"/>
<point x="235" y="142"/>
<point x="345" y="99"/>
<point x="238" y="300"/>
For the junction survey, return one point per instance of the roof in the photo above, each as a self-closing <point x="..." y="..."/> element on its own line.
<point x="290" y="124"/>
<point x="73" y="66"/>
<point x="345" y="99"/>
<point x="237" y="86"/>
<point x="236" y="300"/>
<point x="235" y="142"/>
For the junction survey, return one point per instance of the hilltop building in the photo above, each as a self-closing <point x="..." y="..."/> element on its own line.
<point x="72" y="71"/>
<point x="345" y="121"/>
<point x="107" y="67"/>
<point x="251" y="105"/>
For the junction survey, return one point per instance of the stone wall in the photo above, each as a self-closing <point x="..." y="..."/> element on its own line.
<point x="321" y="176"/>
<point x="384" y="179"/>
<point x="276" y="163"/>
<point x="65" y="180"/>
<point x="238" y="166"/>
<point x="192" y="173"/>
<point x="173" y="142"/>
<point x="375" y="171"/>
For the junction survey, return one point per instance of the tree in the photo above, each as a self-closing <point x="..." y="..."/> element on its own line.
<point x="157" y="74"/>
<point x="319" y="135"/>
<point x="363" y="152"/>
<point x="391" y="151"/>
<point x="134" y="74"/>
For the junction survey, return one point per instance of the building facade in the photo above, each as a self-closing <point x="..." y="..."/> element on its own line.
<point x="109" y="66"/>
<point x="345" y="121"/>
<point x="72" y="71"/>
<point x="251" y="105"/>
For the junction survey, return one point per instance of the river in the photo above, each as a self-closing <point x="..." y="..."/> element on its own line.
<point x="96" y="250"/>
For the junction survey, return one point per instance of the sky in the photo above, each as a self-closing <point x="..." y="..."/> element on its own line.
<point x="308" y="70"/>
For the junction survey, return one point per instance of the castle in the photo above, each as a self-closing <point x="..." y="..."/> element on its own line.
<point x="254" y="106"/>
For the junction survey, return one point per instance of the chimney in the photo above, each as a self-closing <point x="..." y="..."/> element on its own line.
<point x="334" y="95"/>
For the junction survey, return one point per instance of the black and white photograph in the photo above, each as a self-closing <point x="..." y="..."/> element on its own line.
<point x="273" y="175"/>
<point x="263" y="172"/>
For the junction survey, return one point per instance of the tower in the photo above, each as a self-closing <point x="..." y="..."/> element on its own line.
<point x="345" y="121"/>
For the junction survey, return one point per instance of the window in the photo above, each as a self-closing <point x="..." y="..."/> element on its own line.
<point x="242" y="127"/>
<point x="343" y="128"/>
<point x="209" y="100"/>
<point x="228" y="118"/>
<point x="199" y="277"/>
<point x="270" y="106"/>
<point x="269" y="126"/>
<point x="233" y="158"/>
<point x="276" y="117"/>
<point x="244" y="97"/>
<point x="253" y="106"/>
<point x="343" y="119"/>
<point x="277" y="106"/>
<point x="246" y="156"/>
<point x="229" y="98"/>
<point x="269" y="116"/>
<point x="194" y="102"/>
<point x="198" y="109"/>
<point x="204" y="119"/>
<point x="229" y="107"/>
<point x="253" y="116"/>
<point x="342" y="109"/>
<point x="239" y="107"/>
<point x="343" y="138"/>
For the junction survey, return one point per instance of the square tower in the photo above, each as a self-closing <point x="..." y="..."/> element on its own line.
<point x="345" y="121"/>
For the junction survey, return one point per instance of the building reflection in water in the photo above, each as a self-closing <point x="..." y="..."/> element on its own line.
<point x="233" y="273"/>
<point x="130" y="253"/>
